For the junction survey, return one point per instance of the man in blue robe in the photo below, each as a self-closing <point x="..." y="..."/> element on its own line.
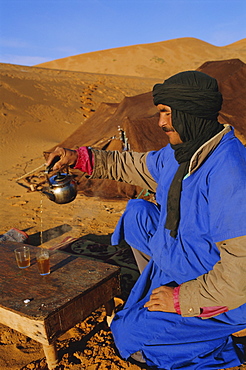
<point x="190" y="244"/>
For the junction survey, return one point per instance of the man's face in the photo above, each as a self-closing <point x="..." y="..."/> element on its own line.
<point x="165" y="122"/>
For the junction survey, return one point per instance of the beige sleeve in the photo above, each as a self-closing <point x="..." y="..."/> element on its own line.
<point x="129" y="167"/>
<point x="225" y="285"/>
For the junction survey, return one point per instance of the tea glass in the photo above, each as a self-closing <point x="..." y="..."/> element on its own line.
<point x="43" y="261"/>
<point x="22" y="255"/>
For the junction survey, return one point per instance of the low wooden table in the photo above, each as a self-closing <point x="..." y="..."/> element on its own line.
<point x="74" y="288"/>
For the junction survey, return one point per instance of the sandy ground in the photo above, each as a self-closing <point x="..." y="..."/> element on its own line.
<point x="40" y="108"/>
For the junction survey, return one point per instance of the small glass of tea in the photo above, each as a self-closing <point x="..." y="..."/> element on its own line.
<point x="22" y="255"/>
<point x="43" y="261"/>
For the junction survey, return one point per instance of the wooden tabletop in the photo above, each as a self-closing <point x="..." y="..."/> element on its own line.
<point x="70" y="277"/>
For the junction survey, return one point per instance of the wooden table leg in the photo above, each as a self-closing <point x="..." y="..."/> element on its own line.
<point x="109" y="307"/>
<point x="51" y="355"/>
<point x="110" y="311"/>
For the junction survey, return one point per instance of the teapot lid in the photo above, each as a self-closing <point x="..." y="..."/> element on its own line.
<point x="60" y="179"/>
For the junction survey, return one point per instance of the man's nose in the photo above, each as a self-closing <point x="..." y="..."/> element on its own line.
<point x="162" y="121"/>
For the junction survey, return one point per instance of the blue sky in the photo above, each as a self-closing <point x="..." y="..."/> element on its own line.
<point x="37" y="31"/>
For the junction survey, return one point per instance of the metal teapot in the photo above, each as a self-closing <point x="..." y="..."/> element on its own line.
<point x="62" y="187"/>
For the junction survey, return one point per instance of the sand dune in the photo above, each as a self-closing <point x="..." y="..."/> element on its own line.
<point x="155" y="60"/>
<point x="41" y="106"/>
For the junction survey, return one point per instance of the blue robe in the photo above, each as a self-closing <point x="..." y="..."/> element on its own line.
<point x="212" y="209"/>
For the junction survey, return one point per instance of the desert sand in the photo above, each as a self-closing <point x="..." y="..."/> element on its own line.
<point x="40" y="107"/>
<point x="156" y="60"/>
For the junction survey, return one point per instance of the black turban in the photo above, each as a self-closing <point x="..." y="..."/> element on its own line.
<point x="195" y="102"/>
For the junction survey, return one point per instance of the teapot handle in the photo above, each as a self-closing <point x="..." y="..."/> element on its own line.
<point x="49" y="168"/>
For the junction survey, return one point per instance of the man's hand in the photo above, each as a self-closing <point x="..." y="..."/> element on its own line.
<point x="67" y="157"/>
<point x="161" y="299"/>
